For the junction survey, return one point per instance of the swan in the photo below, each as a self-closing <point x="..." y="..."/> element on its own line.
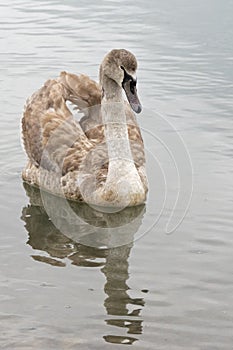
<point x="99" y="159"/>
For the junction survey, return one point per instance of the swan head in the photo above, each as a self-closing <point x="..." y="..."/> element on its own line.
<point x="120" y="66"/>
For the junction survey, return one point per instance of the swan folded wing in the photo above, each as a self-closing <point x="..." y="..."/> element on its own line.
<point x="50" y="97"/>
<point x="49" y="129"/>
<point x="82" y="91"/>
<point x="64" y="142"/>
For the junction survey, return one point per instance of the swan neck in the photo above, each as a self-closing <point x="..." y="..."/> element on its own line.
<point x="114" y="119"/>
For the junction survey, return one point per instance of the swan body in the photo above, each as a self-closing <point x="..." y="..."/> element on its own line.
<point x="100" y="158"/>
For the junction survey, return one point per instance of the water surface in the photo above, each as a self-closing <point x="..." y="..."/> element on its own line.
<point x="164" y="291"/>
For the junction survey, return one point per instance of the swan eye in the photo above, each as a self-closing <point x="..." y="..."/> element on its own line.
<point x="128" y="77"/>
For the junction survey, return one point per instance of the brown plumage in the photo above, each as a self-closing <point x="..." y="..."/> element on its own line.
<point x="59" y="146"/>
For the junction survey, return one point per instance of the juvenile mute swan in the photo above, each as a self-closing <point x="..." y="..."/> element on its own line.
<point x="99" y="159"/>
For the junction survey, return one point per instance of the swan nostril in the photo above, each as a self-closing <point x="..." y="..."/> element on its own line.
<point x="133" y="84"/>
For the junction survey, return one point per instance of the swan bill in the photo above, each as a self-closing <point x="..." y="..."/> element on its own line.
<point x="132" y="96"/>
<point x="129" y="85"/>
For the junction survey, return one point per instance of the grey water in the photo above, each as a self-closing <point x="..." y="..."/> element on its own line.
<point x="113" y="280"/>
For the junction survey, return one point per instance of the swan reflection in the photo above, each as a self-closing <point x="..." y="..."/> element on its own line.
<point x="122" y="310"/>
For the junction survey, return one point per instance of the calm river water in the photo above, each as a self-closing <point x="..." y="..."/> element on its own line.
<point x="163" y="288"/>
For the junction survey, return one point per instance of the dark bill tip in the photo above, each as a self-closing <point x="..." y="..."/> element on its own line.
<point x="139" y="109"/>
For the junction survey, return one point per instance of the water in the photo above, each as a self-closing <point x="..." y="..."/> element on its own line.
<point x="164" y="291"/>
